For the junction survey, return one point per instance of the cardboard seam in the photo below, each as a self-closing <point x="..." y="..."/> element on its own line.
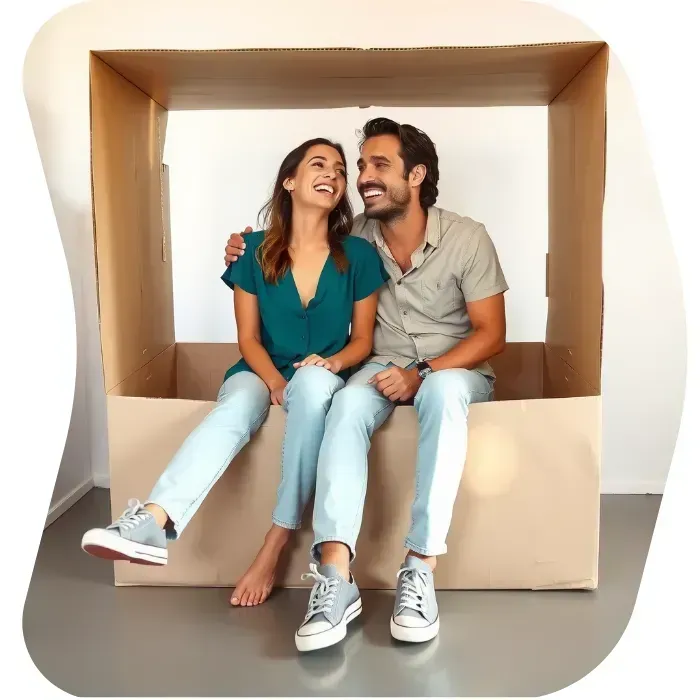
<point x="596" y="390"/>
<point x="138" y="369"/>
<point x="583" y="68"/>
<point x="94" y="226"/>
<point x="111" y="67"/>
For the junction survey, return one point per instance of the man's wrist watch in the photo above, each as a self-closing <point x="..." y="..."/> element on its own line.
<point x="424" y="369"/>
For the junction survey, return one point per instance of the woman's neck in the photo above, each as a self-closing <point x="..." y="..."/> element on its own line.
<point x="309" y="229"/>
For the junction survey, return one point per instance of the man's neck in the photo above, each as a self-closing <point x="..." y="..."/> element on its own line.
<point x="406" y="235"/>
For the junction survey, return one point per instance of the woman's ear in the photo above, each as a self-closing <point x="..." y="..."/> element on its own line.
<point x="288" y="185"/>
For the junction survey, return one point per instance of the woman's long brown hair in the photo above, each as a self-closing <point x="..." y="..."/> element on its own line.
<point x="273" y="254"/>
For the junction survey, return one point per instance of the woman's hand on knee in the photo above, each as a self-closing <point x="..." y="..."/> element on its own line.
<point x="316" y="361"/>
<point x="277" y="393"/>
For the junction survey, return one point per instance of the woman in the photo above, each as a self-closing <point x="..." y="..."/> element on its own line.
<point x="305" y="283"/>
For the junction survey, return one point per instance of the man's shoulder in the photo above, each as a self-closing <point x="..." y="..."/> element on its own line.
<point x="452" y="223"/>
<point x="461" y="234"/>
<point x="362" y="227"/>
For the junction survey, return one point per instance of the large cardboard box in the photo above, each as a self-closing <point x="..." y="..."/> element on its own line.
<point x="528" y="509"/>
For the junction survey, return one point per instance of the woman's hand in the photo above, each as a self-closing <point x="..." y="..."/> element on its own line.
<point x="331" y="364"/>
<point x="277" y="393"/>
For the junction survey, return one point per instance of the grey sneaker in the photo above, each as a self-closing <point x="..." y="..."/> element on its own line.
<point x="415" y="617"/>
<point x="333" y="604"/>
<point x="134" y="536"/>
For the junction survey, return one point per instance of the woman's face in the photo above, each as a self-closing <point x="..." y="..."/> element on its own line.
<point x="320" y="179"/>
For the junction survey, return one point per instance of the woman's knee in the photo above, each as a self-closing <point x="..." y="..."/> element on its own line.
<point x="314" y="385"/>
<point x="243" y="397"/>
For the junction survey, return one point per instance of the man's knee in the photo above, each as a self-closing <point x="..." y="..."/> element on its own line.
<point x="452" y="385"/>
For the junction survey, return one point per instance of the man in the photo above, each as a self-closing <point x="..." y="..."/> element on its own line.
<point x="440" y="319"/>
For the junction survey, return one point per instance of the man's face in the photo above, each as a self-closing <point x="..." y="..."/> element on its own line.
<point x="381" y="183"/>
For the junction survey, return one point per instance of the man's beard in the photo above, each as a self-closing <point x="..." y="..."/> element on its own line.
<point x="395" y="210"/>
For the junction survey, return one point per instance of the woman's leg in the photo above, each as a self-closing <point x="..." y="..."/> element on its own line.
<point x="307" y="399"/>
<point x="242" y="406"/>
<point x="137" y="535"/>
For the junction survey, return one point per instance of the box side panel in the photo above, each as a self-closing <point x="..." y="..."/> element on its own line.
<point x="560" y="381"/>
<point x="157" y="379"/>
<point x="201" y="368"/>
<point x="135" y="282"/>
<point x="526" y="515"/>
<point x="519" y="372"/>
<point x="576" y="188"/>
<point x="303" y="78"/>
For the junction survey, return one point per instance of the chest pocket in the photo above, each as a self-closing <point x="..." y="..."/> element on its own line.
<point x="440" y="298"/>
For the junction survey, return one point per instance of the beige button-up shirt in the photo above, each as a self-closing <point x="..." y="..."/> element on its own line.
<point x="422" y="313"/>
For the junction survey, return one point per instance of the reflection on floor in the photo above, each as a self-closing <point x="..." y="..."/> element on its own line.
<point x="90" y="638"/>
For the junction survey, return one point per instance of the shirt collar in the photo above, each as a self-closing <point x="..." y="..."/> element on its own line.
<point x="432" y="229"/>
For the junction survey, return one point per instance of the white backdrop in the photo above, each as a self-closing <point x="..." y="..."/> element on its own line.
<point x="493" y="167"/>
<point x="645" y="340"/>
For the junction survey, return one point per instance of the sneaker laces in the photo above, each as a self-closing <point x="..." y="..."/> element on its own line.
<point x="133" y="516"/>
<point x="322" y="594"/>
<point x="414" y="588"/>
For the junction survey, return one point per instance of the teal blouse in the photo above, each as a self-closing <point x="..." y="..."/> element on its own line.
<point x="290" y="332"/>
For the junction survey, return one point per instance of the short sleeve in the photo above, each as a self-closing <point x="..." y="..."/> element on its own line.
<point x="242" y="272"/>
<point x="482" y="276"/>
<point x="368" y="269"/>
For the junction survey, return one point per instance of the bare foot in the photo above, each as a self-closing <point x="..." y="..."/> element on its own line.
<point x="256" y="584"/>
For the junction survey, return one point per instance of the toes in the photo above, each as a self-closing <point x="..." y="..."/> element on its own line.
<point x="237" y="595"/>
<point x="257" y="599"/>
<point x="242" y="596"/>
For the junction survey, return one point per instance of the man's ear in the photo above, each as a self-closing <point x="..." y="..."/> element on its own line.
<point x="417" y="175"/>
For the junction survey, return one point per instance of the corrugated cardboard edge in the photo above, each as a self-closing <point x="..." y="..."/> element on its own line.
<point x="354" y="48"/>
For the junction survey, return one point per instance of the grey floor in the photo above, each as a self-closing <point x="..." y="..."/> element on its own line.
<point x="92" y="639"/>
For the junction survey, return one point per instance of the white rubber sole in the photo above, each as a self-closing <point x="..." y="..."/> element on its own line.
<point x="105" y="545"/>
<point x="332" y="636"/>
<point x="415" y="635"/>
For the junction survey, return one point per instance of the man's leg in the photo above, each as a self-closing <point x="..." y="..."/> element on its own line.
<point x="442" y="404"/>
<point x="341" y="482"/>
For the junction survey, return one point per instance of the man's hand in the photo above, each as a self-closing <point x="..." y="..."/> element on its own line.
<point x="331" y="364"/>
<point x="236" y="246"/>
<point x="277" y="393"/>
<point x="397" y="384"/>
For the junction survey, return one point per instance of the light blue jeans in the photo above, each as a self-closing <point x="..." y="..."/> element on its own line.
<point x="242" y="406"/>
<point x="442" y="403"/>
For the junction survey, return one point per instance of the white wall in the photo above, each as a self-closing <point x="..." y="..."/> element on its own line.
<point x="493" y="167"/>
<point x="644" y="356"/>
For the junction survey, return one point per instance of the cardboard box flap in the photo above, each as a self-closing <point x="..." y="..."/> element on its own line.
<point x="134" y="281"/>
<point x="346" y="77"/>
<point x="577" y="124"/>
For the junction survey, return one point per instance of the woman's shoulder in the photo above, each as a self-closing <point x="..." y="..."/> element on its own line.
<point x="253" y="240"/>
<point x="358" y="249"/>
